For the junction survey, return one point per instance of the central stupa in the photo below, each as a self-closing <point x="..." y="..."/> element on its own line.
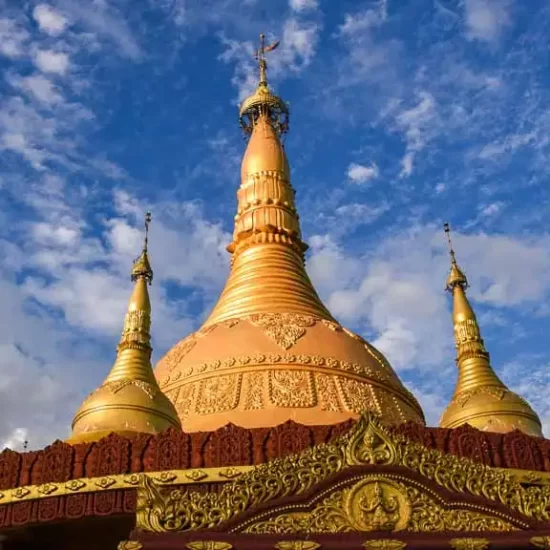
<point x="270" y="351"/>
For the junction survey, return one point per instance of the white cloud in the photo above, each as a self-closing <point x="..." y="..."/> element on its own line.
<point x="360" y="173"/>
<point x="486" y="19"/>
<point x="12" y="38"/>
<point x="303" y="5"/>
<point x="49" y="20"/>
<point x="396" y="292"/>
<point x="40" y="87"/>
<point x="298" y="43"/>
<point x="50" y="61"/>
<point x="361" y="22"/>
<point x="418" y="123"/>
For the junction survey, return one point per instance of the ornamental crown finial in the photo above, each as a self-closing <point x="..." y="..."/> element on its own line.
<point x="142" y="266"/>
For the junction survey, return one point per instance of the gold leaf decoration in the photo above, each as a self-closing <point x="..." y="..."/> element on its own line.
<point x="384" y="544"/>
<point x="105" y="482"/>
<point x="468" y="543"/>
<point x="47" y="488"/>
<point x="541" y="542"/>
<point x="130" y="545"/>
<point x="368" y="443"/>
<point x="285" y="329"/>
<point x="208" y="545"/>
<point x="196" y="475"/>
<point x="297" y="545"/>
<point x="75" y="485"/>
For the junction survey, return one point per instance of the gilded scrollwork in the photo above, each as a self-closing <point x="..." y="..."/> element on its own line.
<point x="469" y="543"/>
<point x="368" y="443"/>
<point x="285" y="329"/>
<point x="541" y="542"/>
<point x="291" y="388"/>
<point x="118" y="385"/>
<point x="297" y="545"/>
<point x="384" y="544"/>
<point x="209" y="545"/>
<point x="377" y="503"/>
<point x="218" y="394"/>
<point x="129" y="545"/>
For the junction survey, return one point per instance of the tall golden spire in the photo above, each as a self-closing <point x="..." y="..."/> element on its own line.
<point x="129" y="401"/>
<point x="270" y="351"/>
<point x="480" y="397"/>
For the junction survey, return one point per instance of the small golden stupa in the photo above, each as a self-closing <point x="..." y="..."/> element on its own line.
<point x="129" y="401"/>
<point x="480" y="397"/>
<point x="270" y="351"/>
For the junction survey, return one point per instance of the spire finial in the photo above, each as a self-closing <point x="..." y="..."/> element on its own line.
<point x="456" y="276"/>
<point x="147" y="222"/>
<point x="263" y="102"/>
<point x="260" y="57"/>
<point x="142" y="266"/>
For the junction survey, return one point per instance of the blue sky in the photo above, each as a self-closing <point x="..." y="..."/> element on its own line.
<point x="404" y="114"/>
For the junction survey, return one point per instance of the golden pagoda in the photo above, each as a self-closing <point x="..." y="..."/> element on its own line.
<point x="129" y="401"/>
<point x="294" y="428"/>
<point x="270" y="351"/>
<point x="480" y="398"/>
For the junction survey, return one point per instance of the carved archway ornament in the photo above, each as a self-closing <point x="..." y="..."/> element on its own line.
<point x="369" y="480"/>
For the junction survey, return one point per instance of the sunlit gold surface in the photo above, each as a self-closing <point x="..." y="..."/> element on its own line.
<point x="480" y="397"/>
<point x="270" y="351"/>
<point x="129" y="401"/>
<point x="398" y="491"/>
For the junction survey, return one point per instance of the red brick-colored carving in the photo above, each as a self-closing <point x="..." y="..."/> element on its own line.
<point x="169" y="450"/>
<point x="48" y="509"/>
<point x="113" y="456"/>
<point x="417" y="433"/>
<point x="522" y="451"/>
<point x="463" y="441"/>
<point x="231" y="446"/>
<point x="10" y="463"/>
<point x="104" y="503"/>
<point x="75" y="506"/>
<point x="288" y="438"/>
<point x="54" y="463"/>
<point x="199" y="441"/>
<point x="21" y="513"/>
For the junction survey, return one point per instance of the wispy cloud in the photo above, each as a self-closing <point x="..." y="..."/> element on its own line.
<point x="360" y="173"/>
<point x="486" y="19"/>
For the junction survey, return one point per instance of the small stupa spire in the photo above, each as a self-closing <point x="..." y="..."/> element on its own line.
<point x="129" y="401"/>
<point x="480" y="398"/>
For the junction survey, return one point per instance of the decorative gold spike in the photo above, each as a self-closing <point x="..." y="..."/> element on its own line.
<point x="129" y="401"/>
<point x="480" y="398"/>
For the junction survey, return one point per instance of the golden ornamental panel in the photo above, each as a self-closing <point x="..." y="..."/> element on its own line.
<point x="327" y="390"/>
<point x="384" y="544"/>
<point x="285" y="329"/>
<point x="292" y="388"/>
<point x="368" y="443"/>
<point x="379" y="503"/>
<point x="254" y="383"/>
<point x="469" y="543"/>
<point x="219" y="394"/>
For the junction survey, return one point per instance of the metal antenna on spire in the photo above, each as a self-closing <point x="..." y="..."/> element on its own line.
<point x="447" y="229"/>
<point x="259" y="55"/>
<point x="147" y="222"/>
